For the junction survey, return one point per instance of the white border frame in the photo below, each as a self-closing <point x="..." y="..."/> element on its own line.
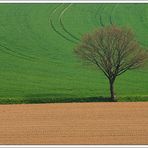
<point x="73" y="146"/>
<point x="73" y="1"/>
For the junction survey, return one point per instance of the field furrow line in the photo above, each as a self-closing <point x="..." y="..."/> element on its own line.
<point x="100" y="18"/>
<point x="101" y="22"/>
<point x="17" y="54"/>
<point x="110" y="20"/>
<point x="97" y="21"/>
<point x="34" y="36"/>
<point x="110" y="17"/>
<point x="54" y="28"/>
<point x="62" y="24"/>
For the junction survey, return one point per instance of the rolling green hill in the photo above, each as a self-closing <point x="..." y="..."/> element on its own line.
<point x="36" y="50"/>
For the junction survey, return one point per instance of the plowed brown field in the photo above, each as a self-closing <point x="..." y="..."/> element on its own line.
<point x="74" y="123"/>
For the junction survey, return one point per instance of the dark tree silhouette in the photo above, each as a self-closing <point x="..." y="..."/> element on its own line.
<point x="113" y="50"/>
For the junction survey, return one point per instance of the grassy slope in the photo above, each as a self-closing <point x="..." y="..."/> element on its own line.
<point x="37" y="57"/>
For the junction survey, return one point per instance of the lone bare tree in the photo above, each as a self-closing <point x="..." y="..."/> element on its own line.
<point x="113" y="50"/>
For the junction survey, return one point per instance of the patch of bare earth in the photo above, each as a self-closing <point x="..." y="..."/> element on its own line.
<point x="74" y="123"/>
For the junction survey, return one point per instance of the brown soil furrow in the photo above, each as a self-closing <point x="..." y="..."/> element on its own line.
<point x="74" y="123"/>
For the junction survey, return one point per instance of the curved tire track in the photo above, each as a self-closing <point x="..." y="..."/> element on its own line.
<point x="54" y="28"/>
<point x="110" y="17"/>
<point x="100" y="18"/>
<point x="96" y="16"/>
<point x="62" y="25"/>
<point x="11" y="52"/>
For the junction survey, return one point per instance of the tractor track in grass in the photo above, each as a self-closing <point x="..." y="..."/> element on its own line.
<point x="111" y="13"/>
<point x="62" y="24"/>
<point x="100" y="18"/>
<point x="94" y="18"/>
<point x="101" y="21"/>
<point x="60" y="19"/>
<point x="110" y="17"/>
<point x="34" y="35"/>
<point x="54" y="28"/>
<point x="74" y="123"/>
<point x="15" y="53"/>
<point x="100" y="10"/>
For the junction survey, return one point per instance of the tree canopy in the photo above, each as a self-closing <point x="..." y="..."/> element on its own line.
<point x="113" y="50"/>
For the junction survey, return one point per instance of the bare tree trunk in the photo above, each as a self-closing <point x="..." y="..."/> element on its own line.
<point x="112" y="94"/>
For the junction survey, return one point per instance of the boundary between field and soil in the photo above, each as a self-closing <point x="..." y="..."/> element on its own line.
<point x="70" y="100"/>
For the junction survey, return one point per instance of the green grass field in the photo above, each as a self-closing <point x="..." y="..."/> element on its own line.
<point x="36" y="50"/>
